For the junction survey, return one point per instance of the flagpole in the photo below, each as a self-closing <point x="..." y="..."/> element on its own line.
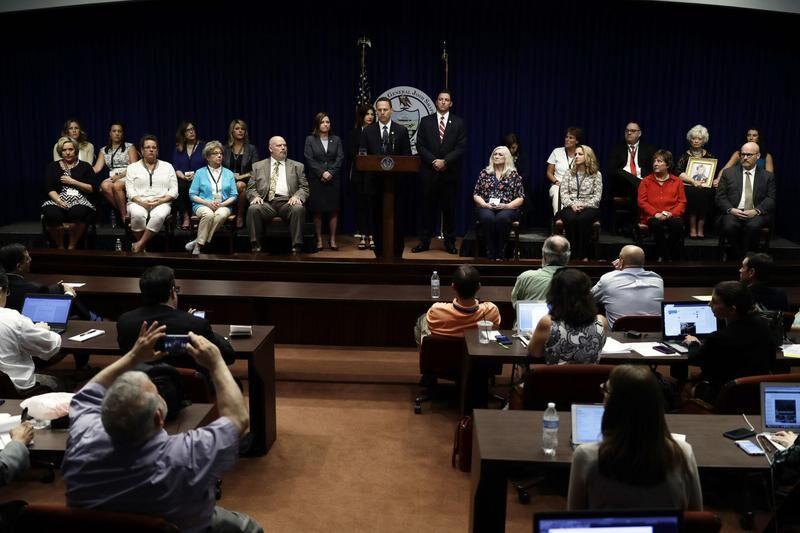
<point x="446" y="61"/>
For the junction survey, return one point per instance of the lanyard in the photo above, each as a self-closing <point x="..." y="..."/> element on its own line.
<point x="149" y="172"/>
<point x="211" y="175"/>
<point x="578" y="183"/>
<point x="111" y="163"/>
<point x="569" y="161"/>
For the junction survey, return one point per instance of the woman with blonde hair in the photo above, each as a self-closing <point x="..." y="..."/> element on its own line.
<point x="580" y="200"/>
<point x="72" y="129"/>
<point x="498" y="195"/>
<point x="239" y="156"/>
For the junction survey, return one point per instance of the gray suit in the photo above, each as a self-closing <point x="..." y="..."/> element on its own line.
<point x="743" y="233"/>
<point x="261" y="215"/>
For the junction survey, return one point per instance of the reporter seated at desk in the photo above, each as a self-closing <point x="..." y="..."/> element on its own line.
<point x="20" y="341"/>
<point x="160" y="295"/>
<point x="637" y="463"/>
<point x="465" y="311"/>
<point x="572" y="332"/>
<point x="743" y="347"/>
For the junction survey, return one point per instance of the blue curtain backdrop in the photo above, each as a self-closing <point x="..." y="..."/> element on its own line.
<point x="530" y="68"/>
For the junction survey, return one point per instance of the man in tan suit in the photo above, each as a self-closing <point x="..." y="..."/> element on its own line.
<point x="277" y="187"/>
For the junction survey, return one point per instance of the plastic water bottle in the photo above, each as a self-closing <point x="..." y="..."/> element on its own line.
<point x="113" y="219"/>
<point x="550" y="430"/>
<point x="435" y="285"/>
<point x="118" y="245"/>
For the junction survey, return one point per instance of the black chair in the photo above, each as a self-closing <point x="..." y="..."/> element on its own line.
<point x="642" y="231"/>
<point x="637" y="323"/>
<point x="765" y="237"/>
<point x="227" y="229"/>
<point x="48" y="517"/>
<point x="558" y="229"/>
<point x="440" y="357"/>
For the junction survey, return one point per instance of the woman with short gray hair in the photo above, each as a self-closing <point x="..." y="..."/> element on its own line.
<point x="699" y="199"/>
<point x="213" y="190"/>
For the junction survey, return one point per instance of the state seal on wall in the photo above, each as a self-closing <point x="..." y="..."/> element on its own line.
<point x="409" y="105"/>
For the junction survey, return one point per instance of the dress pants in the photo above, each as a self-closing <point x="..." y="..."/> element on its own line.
<point x="260" y="215"/>
<point x="578" y="228"/>
<point x="743" y="234"/>
<point x="668" y="234"/>
<point x="496" y="226"/>
<point x="555" y="197"/>
<point x="438" y="191"/>
<point x="210" y="220"/>
<point x="142" y="219"/>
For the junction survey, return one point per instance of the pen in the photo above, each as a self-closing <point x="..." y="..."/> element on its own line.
<point x="503" y="346"/>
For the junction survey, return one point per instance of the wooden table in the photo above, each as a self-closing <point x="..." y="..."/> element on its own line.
<point x="258" y="350"/>
<point x="503" y="441"/>
<point x="50" y="443"/>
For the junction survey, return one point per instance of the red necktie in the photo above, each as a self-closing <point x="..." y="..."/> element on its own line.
<point x="633" y="160"/>
<point x="441" y="128"/>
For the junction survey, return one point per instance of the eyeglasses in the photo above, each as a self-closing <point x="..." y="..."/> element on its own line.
<point x="177" y="289"/>
<point x="604" y="388"/>
<point x="215" y="153"/>
<point x="745" y="154"/>
<point x="632" y="131"/>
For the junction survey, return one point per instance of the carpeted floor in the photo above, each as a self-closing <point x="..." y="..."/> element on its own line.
<point x="351" y="456"/>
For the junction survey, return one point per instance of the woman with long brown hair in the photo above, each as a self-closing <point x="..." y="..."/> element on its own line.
<point x="637" y="463"/>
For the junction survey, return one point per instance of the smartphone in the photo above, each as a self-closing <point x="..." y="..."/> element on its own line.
<point x="739" y="433"/>
<point x="633" y="334"/>
<point x="663" y="349"/>
<point x="502" y="339"/>
<point x="749" y="447"/>
<point x="199" y="314"/>
<point x="173" y="344"/>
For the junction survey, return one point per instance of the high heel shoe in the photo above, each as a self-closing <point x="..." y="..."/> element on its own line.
<point x="333" y="246"/>
<point x="319" y="247"/>
<point x="362" y="245"/>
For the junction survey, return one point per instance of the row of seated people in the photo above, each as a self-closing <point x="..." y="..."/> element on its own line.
<point x="617" y="473"/>
<point x="118" y="455"/>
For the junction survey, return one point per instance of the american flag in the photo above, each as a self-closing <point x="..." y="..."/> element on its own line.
<point x="364" y="93"/>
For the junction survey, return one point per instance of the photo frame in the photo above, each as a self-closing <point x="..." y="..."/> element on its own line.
<point x="702" y="171"/>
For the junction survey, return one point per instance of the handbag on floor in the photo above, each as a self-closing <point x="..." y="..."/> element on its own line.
<point x="462" y="445"/>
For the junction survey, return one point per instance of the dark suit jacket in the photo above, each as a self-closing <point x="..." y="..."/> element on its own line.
<point x="19" y="287"/>
<point x="618" y="158"/>
<point x="178" y="323"/>
<point x="451" y="147"/>
<point x="318" y="160"/>
<point x="399" y="142"/>
<point x="249" y="156"/>
<point x="729" y="191"/>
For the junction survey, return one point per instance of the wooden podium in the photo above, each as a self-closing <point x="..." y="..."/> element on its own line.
<point x="387" y="166"/>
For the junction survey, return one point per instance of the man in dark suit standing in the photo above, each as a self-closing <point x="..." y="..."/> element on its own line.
<point x="383" y="137"/>
<point x="160" y="295"/>
<point x="746" y="197"/>
<point x="628" y="163"/>
<point x="441" y="140"/>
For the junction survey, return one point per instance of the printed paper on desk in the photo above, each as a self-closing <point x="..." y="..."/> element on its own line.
<point x="703" y="297"/>
<point x="73" y="285"/>
<point x="791" y="350"/>
<point x="86" y="335"/>
<point x="647" y="349"/>
<point x="614" y="346"/>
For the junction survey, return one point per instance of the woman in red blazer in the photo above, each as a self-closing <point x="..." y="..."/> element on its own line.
<point x="662" y="202"/>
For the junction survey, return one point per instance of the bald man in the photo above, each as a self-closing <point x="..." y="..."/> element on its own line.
<point x="746" y="197"/>
<point x="629" y="289"/>
<point x="277" y="187"/>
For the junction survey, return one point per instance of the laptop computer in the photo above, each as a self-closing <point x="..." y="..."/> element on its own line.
<point x="529" y="312"/>
<point x="679" y="319"/>
<point x="780" y="410"/>
<point x="50" y="308"/>
<point x="618" y="521"/>
<point x="586" y="423"/>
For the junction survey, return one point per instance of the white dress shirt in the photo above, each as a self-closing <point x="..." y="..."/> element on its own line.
<point x="752" y="172"/>
<point x="631" y="291"/>
<point x="138" y="182"/>
<point x="20" y="340"/>
<point x="627" y="167"/>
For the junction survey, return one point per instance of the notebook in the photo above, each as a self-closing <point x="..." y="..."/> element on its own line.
<point x="679" y="319"/>
<point x="780" y="409"/>
<point x="529" y="312"/>
<point x="638" y="521"/>
<point x="50" y="308"/>
<point x="586" y="423"/>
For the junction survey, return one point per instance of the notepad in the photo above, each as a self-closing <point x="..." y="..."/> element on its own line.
<point x="614" y="346"/>
<point x="791" y="350"/>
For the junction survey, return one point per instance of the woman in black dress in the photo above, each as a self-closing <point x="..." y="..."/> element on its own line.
<point x="365" y="115"/>
<point x="324" y="155"/>
<point x="239" y="156"/>
<point x="69" y="184"/>
<point x="699" y="200"/>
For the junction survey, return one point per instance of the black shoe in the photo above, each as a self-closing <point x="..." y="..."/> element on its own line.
<point x="297" y="250"/>
<point x="451" y="249"/>
<point x="255" y="247"/>
<point x="420" y="248"/>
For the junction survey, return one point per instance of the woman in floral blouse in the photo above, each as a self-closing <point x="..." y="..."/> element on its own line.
<point x="580" y="200"/>
<point x="498" y="195"/>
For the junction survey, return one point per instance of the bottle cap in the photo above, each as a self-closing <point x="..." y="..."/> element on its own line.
<point x="551" y="404"/>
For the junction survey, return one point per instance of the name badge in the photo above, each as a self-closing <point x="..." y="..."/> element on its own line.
<point x="71" y="191"/>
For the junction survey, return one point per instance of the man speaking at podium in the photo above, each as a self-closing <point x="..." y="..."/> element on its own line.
<point x="383" y="137"/>
<point x="440" y="143"/>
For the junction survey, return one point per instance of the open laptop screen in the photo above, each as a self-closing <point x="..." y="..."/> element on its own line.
<point x="50" y="308"/>
<point x="639" y="521"/>
<point x="780" y="406"/>
<point x="529" y="313"/>
<point x="687" y="318"/>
